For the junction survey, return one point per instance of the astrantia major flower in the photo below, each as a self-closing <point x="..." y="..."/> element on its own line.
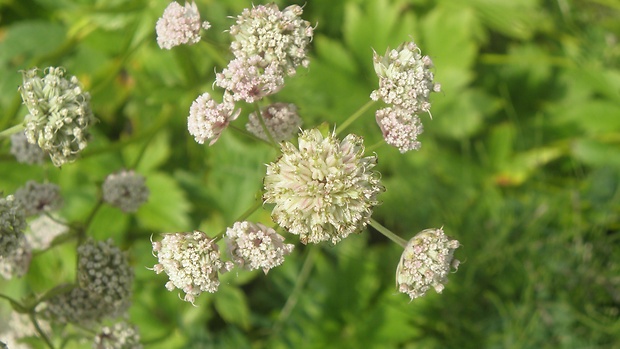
<point x="59" y="113"/>
<point x="325" y="189"/>
<point x="426" y="262"/>
<point x="125" y="190"/>
<point x="405" y="79"/>
<point x="400" y="128"/>
<point x="191" y="261"/>
<point x="279" y="37"/>
<point x="179" y="25"/>
<point x="245" y="80"/>
<point x="208" y="119"/>
<point x="12" y="225"/>
<point x="281" y="120"/>
<point x="254" y="246"/>
<point x="36" y="198"/>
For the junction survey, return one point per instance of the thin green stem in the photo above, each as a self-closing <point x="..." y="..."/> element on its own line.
<point x="12" y="130"/>
<point x="257" y="204"/>
<point x="263" y="124"/>
<point x="388" y="233"/>
<point x="354" y="116"/>
<point x="91" y="216"/>
<point x="41" y="333"/>
<point x="17" y="306"/>
<point x="293" y="298"/>
<point x="248" y="134"/>
<point x="374" y="146"/>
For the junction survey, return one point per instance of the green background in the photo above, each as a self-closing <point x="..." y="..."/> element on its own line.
<point x="520" y="163"/>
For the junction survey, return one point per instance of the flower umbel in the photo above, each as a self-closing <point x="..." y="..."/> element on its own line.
<point x="426" y="262"/>
<point x="125" y="190"/>
<point x="405" y="79"/>
<point x="12" y="225"/>
<point x="323" y="190"/>
<point x="254" y="246"/>
<point x="279" y="37"/>
<point x="400" y="128"/>
<point x="208" y="119"/>
<point x="179" y="25"/>
<point x="59" y="114"/>
<point x="281" y="120"/>
<point x="36" y="198"/>
<point x="191" y="261"/>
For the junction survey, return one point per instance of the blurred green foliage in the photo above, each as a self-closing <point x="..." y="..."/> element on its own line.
<point x="520" y="163"/>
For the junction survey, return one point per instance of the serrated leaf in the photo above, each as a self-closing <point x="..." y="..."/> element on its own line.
<point x="232" y="306"/>
<point x="167" y="209"/>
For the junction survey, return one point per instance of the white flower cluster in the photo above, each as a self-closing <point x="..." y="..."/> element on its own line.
<point x="255" y="246"/>
<point x="179" y="25"/>
<point x="43" y="231"/>
<point x="12" y="225"/>
<point x="18" y="328"/>
<point x="325" y="190"/>
<point x="125" y="190"/>
<point x="36" y="198"/>
<point x="191" y="261"/>
<point x="208" y="119"/>
<point x="268" y="45"/>
<point x="281" y="121"/>
<point x="405" y="83"/>
<point x="59" y="114"/>
<point x="121" y="335"/>
<point x="426" y="262"/>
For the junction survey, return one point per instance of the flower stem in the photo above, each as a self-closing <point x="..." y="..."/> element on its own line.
<point x="12" y="130"/>
<point x="355" y="116"/>
<point x="248" y="134"/>
<point x="388" y="233"/>
<point x="40" y="331"/>
<point x="263" y="124"/>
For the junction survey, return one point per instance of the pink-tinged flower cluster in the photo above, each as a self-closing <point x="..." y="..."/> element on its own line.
<point x="405" y="84"/>
<point x="208" y="119"/>
<point x="268" y="45"/>
<point x="256" y="246"/>
<point x="400" y="128"/>
<point x="179" y="25"/>
<point x="281" y="120"/>
<point x="426" y="262"/>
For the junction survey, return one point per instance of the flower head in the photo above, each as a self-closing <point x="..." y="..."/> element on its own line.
<point x="25" y="152"/>
<point x="12" y="225"/>
<point x="59" y="114"/>
<point x="405" y="79"/>
<point x="179" y="25"/>
<point x="426" y="262"/>
<point x="78" y="305"/>
<point x="121" y="335"/>
<point x="36" y="198"/>
<point x="277" y="37"/>
<point x="104" y="270"/>
<point x="281" y="120"/>
<point x="191" y="261"/>
<point x="323" y="190"/>
<point x="208" y="119"/>
<point x="246" y="80"/>
<point x="400" y="128"/>
<point x="125" y="190"/>
<point x="254" y="246"/>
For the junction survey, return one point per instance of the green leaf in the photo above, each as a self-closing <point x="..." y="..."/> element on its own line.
<point x="30" y="38"/>
<point x="167" y="209"/>
<point x="232" y="305"/>
<point x="593" y="116"/>
<point x="596" y="153"/>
